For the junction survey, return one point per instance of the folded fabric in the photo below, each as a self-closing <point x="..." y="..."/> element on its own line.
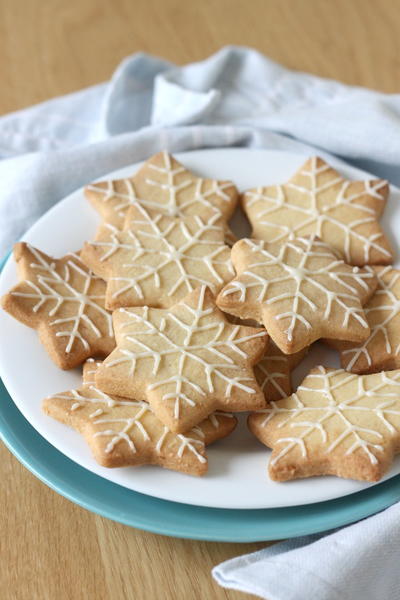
<point x="360" y="562"/>
<point x="235" y="98"/>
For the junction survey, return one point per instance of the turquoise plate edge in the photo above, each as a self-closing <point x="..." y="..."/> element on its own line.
<point x="119" y="504"/>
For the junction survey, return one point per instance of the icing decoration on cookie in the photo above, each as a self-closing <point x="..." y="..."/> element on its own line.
<point x="318" y="201"/>
<point x="122" y="429"/>
<point x="186" y="361"/>
<point x="65" y="299"/>
<point x="298" y="289"/>
<point x="159" y="259"/>
<point x="123" y="432"/>
<point x="336" y="423"/>
<point x="381" y="350"/>
<point x="117" y="203"/>
<point x="273" y="372"/>
<point x="163" y="185"/>
<point x="89" y="370"/>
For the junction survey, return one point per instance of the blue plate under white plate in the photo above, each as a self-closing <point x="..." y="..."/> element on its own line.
<point x="171" y="518"/>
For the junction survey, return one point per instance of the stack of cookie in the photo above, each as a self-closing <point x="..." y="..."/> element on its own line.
<point x="190" y="330"/>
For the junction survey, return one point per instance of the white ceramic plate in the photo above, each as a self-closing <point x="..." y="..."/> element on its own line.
<point x="237" y="476"/>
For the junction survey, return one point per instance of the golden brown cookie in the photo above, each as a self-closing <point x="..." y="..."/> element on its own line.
<point x="164" y="185"/>
<point x="89" y="371"/>
<point x="159" y="259"/>
<point x="337" y="423"/>
<point x="273" y="372"/>
<point x="122" y="432"/>
<point x="381" y="350"/>
<point x="187" y="361"/>
<point x="318" y="201"/>
<point x="64" y="301"/>
<point x="299" y="290"/>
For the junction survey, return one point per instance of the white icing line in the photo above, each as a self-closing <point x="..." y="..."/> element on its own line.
<point x="328" y="386"/>
<point x="333" y="272"/>
<point x="56" y="289"/>
<point x="263" y="205"/>
<point x="381" y="311"/>
<point x="122" y="428"/>
<point x="172" y="340"/>
<point x="168" y="253"/>
<point x="173" y="198"/>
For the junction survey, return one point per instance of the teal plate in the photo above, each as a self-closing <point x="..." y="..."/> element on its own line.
<point x="171" y="518"/>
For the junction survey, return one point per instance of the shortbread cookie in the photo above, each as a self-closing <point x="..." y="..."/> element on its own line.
<point x="318" y="201"/>
<point x="131" y="216"/>
<point x="299" y="290"/>
<point x="381" y="350"/>
<point x="187" y="361"/>
<point x="273" y="372"/>
<point x="164" y="185"/>
<point x="160" y="259"/>
<point x="123" y="432"/>
<point x="89" y="371"/>
<point x="337" y="423"/>
<point x="64" y="301"/>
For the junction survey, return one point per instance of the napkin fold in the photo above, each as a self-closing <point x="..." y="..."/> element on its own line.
<point x="359" y="562"/>
<point x="237" y="97"/>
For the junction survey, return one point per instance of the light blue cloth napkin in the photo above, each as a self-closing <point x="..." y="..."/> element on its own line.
<point x="236" y="97"/>
<point x="359" y="562"/>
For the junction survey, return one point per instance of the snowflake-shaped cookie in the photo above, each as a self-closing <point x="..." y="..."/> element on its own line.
<point x="122" y="432"/>
<point x="89" y="371"/>
<point x="299" y="290"/>
<point x="337" y="423"/>
<point x="273" y="372"/>
<point x="159" y="259"/>
<point x="64" y="301"/>
<point x="163" y="185"/>
<point x="318" y="201"/>
<point x="381" y="350"/>
<point x="186" y="361"/>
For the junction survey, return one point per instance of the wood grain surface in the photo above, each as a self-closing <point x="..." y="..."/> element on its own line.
<point x="49" y="548"/>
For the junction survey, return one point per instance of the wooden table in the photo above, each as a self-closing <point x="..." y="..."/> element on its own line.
<point x="51" y="548"/>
